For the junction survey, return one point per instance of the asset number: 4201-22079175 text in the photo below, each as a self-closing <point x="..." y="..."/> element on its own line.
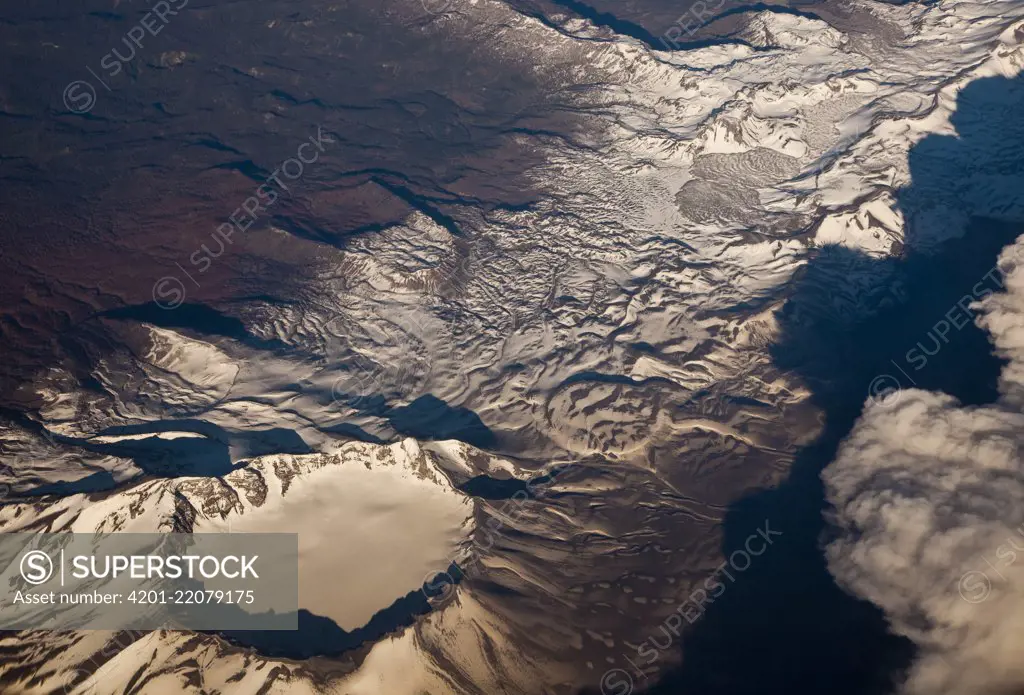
<point x="189" y="596"/>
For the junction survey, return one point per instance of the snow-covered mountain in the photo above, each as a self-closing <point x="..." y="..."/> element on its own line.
<point x="536" y="255"/>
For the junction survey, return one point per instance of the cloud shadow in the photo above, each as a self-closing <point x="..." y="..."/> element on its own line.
<point x="784" y="626"/>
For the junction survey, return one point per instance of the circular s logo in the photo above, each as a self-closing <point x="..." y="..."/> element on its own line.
<point x="436" y="6"/>
<point x="975" y="586"/>
<point x="79" y="97"/>
<point x="438" y="588"/>
<point x="616" y="682"/>
<point x="885" y="390"/>
<point x="79" y="681"/>
<point x="36" y="567"/>
<point x="168" y="292"/>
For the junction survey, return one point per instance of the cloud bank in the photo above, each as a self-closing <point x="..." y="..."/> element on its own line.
<point x="928" y="500"/>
